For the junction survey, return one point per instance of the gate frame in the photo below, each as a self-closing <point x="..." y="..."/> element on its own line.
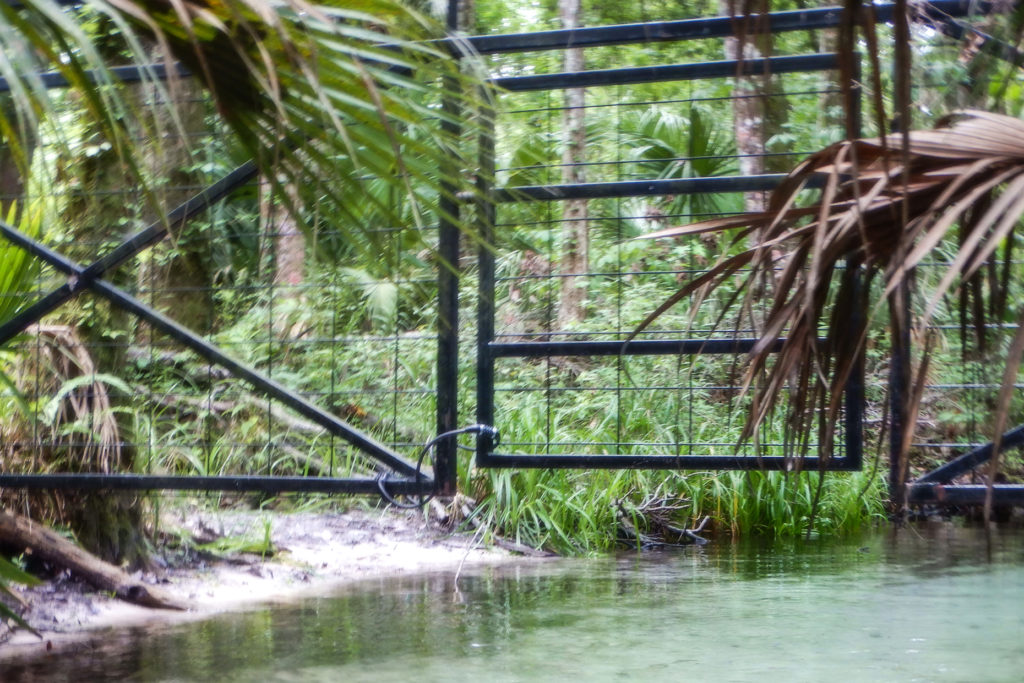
<point x="488" y="350"/>
<point x="941" y="14"/>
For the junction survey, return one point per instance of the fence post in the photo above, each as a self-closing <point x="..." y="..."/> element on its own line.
<point x="446" y="463"/>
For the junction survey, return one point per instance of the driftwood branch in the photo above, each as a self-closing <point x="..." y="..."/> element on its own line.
<point x="42" y="542"/>
<point x="690" y="534"/>
<point x="664" y="534"/>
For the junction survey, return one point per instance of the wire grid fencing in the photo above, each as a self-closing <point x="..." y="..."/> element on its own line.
<point x="596" y="407"/>
<point x="967" y="340"/>
<point x="91" y="388"/>
<point x="571" y="401"/>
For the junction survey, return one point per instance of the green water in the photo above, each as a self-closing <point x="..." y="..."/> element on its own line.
<point x="932" y="604"/>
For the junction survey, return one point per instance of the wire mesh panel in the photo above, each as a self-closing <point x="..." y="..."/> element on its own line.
<point x="565" y="372"/>
<point x="961" y="352"/>
<point x="252" y="341"/>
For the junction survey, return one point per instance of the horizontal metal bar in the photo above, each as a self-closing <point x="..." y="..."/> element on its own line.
<point x="637" y="347"/>
<point x="63" y="3"/>
<point x="148" y="482"/>
<point x="123" y="74"/>
<point x="971" y="459"/>
<point x="663" y="462"/>
<point x="670" y="72"/>
<point x="971" y="494"/>
<point x="647" y="188"/>
<point x="622" y="34"/>
<point x="651" y="32"/>
<point x="692" y="29"/>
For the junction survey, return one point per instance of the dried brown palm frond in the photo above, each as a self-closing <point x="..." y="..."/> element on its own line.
<point x="966" y="174"/>
<point x="76" y="430"/>
<point x="79" y="417"/>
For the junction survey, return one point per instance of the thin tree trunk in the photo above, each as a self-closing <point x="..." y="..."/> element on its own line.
<point x="465" y="16"/>
<point x="757" y="111"/>
<point x="289" y="250"/>
<point x="575" y="234"/>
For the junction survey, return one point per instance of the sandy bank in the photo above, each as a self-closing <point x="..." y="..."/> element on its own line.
<point x="317" y="553"/>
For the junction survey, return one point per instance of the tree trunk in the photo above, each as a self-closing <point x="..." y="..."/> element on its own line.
<point x="756" y="112"/>
<point x="289" y="247"/>
<point x="465" y="16"/>
<point x="176" y="272"/>
<point x="112" y="524"/>
<point x="575" y="234"/>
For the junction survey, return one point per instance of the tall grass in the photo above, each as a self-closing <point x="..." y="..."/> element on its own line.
<point x="578" y="511"/>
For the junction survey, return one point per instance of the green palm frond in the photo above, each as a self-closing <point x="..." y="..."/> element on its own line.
<point x="16" y="266"/>
<point x="9" y="573"/>
<point x="672" y="145"/>
<point x="324" y="96"/>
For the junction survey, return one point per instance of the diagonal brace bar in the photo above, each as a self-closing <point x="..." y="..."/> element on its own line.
<point x="135" y="244"/>
<point x="971" y="459"/>
<point x="213" y="354"/>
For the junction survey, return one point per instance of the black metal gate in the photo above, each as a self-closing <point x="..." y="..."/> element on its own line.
<point x="531" y="370"/>
<point x="556" y="368"/>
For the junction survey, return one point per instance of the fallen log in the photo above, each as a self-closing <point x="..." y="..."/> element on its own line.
<point x="32" y="537"/>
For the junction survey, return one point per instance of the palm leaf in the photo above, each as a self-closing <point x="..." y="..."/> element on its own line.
<point x="972" y="158"/>
<point x="324" y="96"/>
<point x="9" y="573"/>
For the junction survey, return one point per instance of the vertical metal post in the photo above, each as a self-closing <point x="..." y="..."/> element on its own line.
<point x="899" y="390"/>
<point x="854" y="390"/>
<point x="486" y="215"/>
<point x="446" y="454"/>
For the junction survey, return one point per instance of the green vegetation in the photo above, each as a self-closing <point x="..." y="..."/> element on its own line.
<point x="323" y="275"/>
<point x="11" y="573"/>
<point x="578" y="512"/>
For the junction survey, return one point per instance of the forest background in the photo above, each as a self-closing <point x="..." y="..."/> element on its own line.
<point x="323" y="274"/>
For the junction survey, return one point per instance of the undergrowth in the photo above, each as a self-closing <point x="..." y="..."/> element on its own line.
<point x="578" y="511"/>
<point x="384" y="384"/>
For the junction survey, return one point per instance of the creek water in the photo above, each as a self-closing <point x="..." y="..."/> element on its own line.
<point x="938" y="603"/>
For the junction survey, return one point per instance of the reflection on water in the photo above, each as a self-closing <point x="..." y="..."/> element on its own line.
<point x="929" y="605"/>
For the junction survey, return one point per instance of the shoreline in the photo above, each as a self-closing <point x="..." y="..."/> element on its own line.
<point x="316" y="554"/>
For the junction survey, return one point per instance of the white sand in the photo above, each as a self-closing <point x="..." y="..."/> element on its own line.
<point x="319" y="553"/>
